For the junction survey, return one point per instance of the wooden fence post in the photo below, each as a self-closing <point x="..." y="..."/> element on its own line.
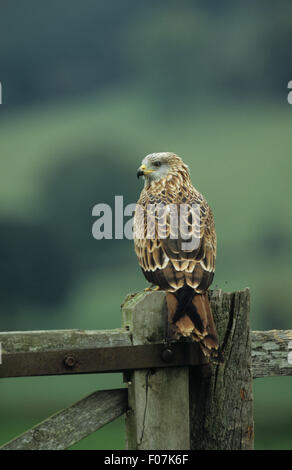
<point x="158" y="416"/>
<point x="221" y="399"/>
<point x="204" y="407"/>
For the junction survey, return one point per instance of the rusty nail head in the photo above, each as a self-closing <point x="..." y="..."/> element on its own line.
<point x="167" y="355"/>
<point x="70" y="360"/>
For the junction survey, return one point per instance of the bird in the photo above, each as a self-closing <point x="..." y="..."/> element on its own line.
<point x="175" y="242"/>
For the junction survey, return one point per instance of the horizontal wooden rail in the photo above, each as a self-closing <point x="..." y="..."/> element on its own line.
<point x="57" y="352"/>
<point x="84" y="352"/>
<point x="53" y="340"/>
<point x="270" y="353"/>
<point x="80" y="351"/>
<point x="68" y="426"/>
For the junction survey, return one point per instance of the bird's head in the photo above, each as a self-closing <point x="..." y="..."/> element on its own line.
<point x="163" y="165"/>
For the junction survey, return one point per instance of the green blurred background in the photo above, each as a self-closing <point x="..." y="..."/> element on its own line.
<point x="90" y="88"/>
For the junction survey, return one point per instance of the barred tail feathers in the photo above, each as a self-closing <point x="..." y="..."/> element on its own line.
<point x="191" y="315"/>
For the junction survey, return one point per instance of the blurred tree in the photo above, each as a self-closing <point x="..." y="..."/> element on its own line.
<point x="60" y="48"/>
<point x="178" y="50"/>
<point x="33" y="267"/>
<point x="90" y="176"/>
<point x="186" y="51"/>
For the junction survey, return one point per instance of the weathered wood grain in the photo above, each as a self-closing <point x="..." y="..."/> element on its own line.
<point x="72" y="424"/>
<point x="41" y="341"/>
<point x="158" y="416"/>
<point x="271" y="350"/>
<point x="271" y="353"/>
<point x="204" y="407"/>
<point x="221" y="399"/>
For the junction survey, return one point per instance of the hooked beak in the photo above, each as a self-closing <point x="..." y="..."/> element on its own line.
<point x="139" y="173"/>
<point x="142" y="171"/>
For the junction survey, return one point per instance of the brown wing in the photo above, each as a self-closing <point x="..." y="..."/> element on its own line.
<point x="164" y="260"/>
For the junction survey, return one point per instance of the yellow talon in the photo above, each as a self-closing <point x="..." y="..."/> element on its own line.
<point x="152" y="288"/>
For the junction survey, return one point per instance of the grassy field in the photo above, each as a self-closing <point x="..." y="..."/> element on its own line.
<point x="239" y="159"/>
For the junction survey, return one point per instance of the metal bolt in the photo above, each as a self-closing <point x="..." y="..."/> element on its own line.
<point x="167" y="355"/>
<point x="70" y="360"/>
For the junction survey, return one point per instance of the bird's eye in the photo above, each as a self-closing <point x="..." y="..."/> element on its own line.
<point x="157" y="163"/>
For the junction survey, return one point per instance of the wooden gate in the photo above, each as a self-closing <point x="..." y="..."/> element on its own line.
<point x="174" y="398"/>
